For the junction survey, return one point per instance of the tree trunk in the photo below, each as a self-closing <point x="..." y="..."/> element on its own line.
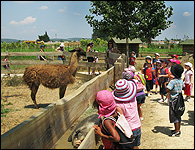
<point x="149" y="41"/>
<point x="127" y="52"/>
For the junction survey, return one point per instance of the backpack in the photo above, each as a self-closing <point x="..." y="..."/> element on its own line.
<point x="140" y="86"/>
<point x="125" y="142"/>
<point x="178" y="105"/>
<point x="153" y="77"/>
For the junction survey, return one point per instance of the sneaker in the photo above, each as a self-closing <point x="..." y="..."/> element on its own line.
<point x="176" y="134"/>
<point x="141" y="118"/>
<point x="149" y="95"/>
<point x="188" y="100"/>
<point x="172" y="131"/>
<point x="161" y="100"/>
<point x="166" y="100"/>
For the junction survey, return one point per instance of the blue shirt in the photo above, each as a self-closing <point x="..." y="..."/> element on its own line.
<point x="175" y="86"/>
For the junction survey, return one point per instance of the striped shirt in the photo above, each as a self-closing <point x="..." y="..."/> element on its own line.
<point x="175" y="86"/>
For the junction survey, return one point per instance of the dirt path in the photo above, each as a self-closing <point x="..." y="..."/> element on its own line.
<point x="156" y="126"/>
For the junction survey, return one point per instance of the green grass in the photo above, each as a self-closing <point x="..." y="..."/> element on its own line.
<point x="5" y="111"/>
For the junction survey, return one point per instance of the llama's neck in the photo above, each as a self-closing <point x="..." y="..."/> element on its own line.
<point x="73" y="63"/>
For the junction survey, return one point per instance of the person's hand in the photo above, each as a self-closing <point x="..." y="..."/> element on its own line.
<point x="97" y="130"/>
<point x="135" y="77"/>
<point x="171" y="77"/>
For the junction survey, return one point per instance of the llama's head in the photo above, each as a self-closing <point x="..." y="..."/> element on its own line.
<point x="80" y="51"/>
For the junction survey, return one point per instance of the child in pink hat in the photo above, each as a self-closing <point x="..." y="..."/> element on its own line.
<point x="106" y="108"/>
<point x="125" y="96"/>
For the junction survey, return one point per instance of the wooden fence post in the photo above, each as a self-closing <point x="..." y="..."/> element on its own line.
<point x="107" y="60"/>
<point x="118" y="69"/>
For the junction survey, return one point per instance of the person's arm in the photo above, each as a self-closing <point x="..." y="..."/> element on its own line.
<point x="88" y="48"/>
<point x="43" y="58"/>
<point x="114" y="136"/>
<point x="119" y="109"/>
<point x="142" y="70"/>
<point x="190" y="79"/>
<point x="57" y="49"/>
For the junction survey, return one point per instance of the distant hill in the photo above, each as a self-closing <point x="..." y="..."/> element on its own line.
<point x="69" y="39"/>
<point x="9" y="40"/>
<point x="58" y="39"/>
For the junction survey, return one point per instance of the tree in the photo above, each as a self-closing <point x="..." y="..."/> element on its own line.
<point x="96" y="34"/>
<point x="153" y="16"/>
<point x="44" y="37"/>
<point x="119" y="19"/>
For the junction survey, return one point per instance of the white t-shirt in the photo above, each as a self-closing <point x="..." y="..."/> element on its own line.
<point x="187" y="76"/>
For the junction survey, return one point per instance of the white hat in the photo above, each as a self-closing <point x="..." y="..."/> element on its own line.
<point x="148" y="57"/>
<point x="188" y="64"/>
<point x="62" y="45"/>
<point x="157" y="54"/>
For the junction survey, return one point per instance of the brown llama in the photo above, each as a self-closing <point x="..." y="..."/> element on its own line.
<point x="52" y="76"/>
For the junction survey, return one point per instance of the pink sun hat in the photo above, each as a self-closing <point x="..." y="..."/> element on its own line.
<point x="107" y="104"/>
<point x="125" y="90"/>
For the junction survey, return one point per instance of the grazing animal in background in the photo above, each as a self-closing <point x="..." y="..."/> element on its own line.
<point x="82" y="128"/>
<point x="52" y="76"/>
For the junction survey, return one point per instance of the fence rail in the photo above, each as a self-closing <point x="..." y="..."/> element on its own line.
<point x="163" y="54"/>
<point x="83" y="60"/>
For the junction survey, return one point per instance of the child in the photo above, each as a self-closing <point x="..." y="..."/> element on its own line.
<point x="96" y="61"/>
<point x="174" y="87"/>
<point x="124" y="95"/>
<point x="42" y="50"/>
<point x="6" y="66"/>
<point x="107" y="109"/>
<point x="140" y="96"/>
<point x="175" y="58"/>
<point x="163" y="77"/>
<point x="148" y="58"/>
<point x="155" y="59"/>
<point x="188" y="81"/>
<point x="157" y="72"/>
<point x="148" y="72"/>
<point x="132" y="59"/>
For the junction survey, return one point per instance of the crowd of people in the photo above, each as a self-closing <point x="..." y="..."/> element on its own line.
<point x="129" y="94"/>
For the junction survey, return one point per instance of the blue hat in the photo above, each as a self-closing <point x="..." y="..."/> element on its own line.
<point x="42" y="46"/>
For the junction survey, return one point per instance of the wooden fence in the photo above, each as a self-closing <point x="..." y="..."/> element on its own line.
<point x="162" y="54"/>
<point x="100" y="55"/>
<point x="45" y="128"/>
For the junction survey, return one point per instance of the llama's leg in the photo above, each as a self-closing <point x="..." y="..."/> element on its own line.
<point x="62" y="91"/>
<point x="33" y="95"/>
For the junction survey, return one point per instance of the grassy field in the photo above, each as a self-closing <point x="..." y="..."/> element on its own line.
<point x="14" y="68"/>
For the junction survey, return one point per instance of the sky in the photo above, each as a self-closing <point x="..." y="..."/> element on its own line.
<point x="25" y="20"/>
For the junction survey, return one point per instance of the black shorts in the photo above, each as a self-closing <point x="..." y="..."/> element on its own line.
<point x="162" y="89"/>
<point x="149" y="85"/>
<point x="141" y="99"/>
<point x="90" y="59"/>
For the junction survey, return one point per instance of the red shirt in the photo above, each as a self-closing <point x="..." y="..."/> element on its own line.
<point x="148" y="74"/>
<point x="132" y="61"/>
